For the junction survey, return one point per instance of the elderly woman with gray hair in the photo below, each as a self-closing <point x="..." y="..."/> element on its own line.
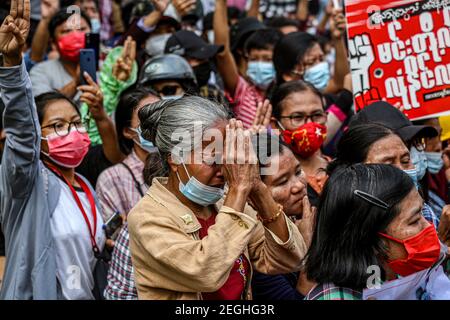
<point x="190" y="241"/>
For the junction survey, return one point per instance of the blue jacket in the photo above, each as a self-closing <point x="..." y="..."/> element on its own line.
<point x="29" y="195"/>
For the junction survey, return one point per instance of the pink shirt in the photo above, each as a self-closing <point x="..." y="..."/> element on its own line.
<point x="246" y="99"/>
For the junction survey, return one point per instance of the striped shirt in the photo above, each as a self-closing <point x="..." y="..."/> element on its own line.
<point x="116" y="188"/>
<point x="245" y="101"/>
<point x="329" y="291"/>
<point x="121" y="285"/>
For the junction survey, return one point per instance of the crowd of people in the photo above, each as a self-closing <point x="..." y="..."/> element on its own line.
<point x="303" y="197"/>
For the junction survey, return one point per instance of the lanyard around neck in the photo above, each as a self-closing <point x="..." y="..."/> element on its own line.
<point x="90" y="196"/>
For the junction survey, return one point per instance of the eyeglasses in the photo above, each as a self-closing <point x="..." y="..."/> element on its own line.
<point x="63" y="128"/>
<point x="169" y="90"/>
<point x="299" y="119"/>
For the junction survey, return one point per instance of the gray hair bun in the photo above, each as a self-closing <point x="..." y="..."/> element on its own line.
<point x="149" y="116"/>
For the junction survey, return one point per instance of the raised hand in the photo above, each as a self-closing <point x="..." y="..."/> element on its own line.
<point x="93" y="97"/>
<point x="337" y="24"/>
<point x="240" y="167"/>
<point x="306" y="224"/>
<point x="124" y="65"/>
<point x="49" y="8"/>
<point x="262" y="117"/>
<point x="14" y="32"/>
<point x="183" y="7"/>
<point x="160" y="5"/>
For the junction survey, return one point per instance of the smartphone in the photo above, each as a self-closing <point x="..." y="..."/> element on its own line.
<point x="87" y="64"/>
<point x="112" y="226"/>
<point x="93" y="42"/>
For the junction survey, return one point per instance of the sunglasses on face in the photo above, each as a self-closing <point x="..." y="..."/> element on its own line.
<point x="169" y="90"/>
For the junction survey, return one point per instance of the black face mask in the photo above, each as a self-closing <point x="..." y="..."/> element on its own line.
<point x="202" y="73"/>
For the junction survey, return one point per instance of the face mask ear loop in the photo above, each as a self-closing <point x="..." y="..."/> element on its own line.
<point x="280" y="125"/>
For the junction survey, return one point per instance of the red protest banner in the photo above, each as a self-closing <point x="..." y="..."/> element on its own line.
<point x="400" y="51"/>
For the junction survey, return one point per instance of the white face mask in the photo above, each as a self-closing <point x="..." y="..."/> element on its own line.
<point x="155" y="45"/>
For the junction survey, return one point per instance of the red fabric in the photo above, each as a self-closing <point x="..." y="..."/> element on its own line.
<point x="306" y="139"/>
<point x="235" y="285"/>
<point x="438" y="184"/>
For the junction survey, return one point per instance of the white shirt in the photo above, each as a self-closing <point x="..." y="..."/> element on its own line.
<point x="75" y="259"/>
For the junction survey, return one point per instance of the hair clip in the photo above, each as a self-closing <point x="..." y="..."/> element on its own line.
<point x="371" y="199"/>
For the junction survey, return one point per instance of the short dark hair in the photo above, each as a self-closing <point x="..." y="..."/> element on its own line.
<point x="61" y="17"/>
<point x="283" y="91"/>
<point x="280" y="22"/>
<point x="128" y="102"/>
<point x="346" y="238"/>
<point x="356" y="142"/>
<point x="264" y="39"/>
<point x="290" y="50"/>
<point x="42" y="101"/>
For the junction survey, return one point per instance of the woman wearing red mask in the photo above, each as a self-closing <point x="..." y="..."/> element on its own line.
<point x="298" y="111"/>
<point x="67" y="31"/>
<point x="369" y="215"/>
<point x="50" y="216"/>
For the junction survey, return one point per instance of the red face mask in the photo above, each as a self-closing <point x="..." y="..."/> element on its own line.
<point x="70" y="150"/>
<point x="307" y="139"/>
<point x="70" y="45"/>
<point x="423" y="251"/>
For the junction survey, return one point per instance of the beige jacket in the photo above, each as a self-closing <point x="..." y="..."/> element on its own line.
<point x="171" y="262"/>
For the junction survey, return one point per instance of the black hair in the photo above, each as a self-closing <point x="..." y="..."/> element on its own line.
<point x="290" y="50"/>
<point x="43" y="100"/>
<point x="346" y="238"/>
<point x="264" y="39"/>
<point x="153" y="167"/>
<point x="235" y="13"/>
<point x="356" y="142"/>
<point x="280" y="22"/>
<point x="61" y="17"/>
<point x="288" y="88"/>
<point x="128" y="102"/>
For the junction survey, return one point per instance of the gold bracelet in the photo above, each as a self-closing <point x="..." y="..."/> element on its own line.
<point x="274" y="217"/>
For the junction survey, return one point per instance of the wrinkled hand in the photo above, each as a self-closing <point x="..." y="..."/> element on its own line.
<point x="337" y="24"/>
<point x="93" y="97"/>
<point x="14" y="32"/>
<point x="240" y="165"/>
<point x="160" y="5"/>
<point x="49" y="8"/>
<point x="124" y="65"/>
<point x="183" y="7"/>
<point x="307" y="223"/>
<point x="262" y="118"/>
<point x="444" y="226"/>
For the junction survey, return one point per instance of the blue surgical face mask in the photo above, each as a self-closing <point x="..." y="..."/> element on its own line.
<point x="419" y="160"/>
<point x="199" y="193"/>
<point x="261" y="73"/>
<point x="412" y="173"/>
<point x="143" y="143"/>
<point x="318" y="75"/>
<point x="95" y="25"/>
<point x="434" y="162"/>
